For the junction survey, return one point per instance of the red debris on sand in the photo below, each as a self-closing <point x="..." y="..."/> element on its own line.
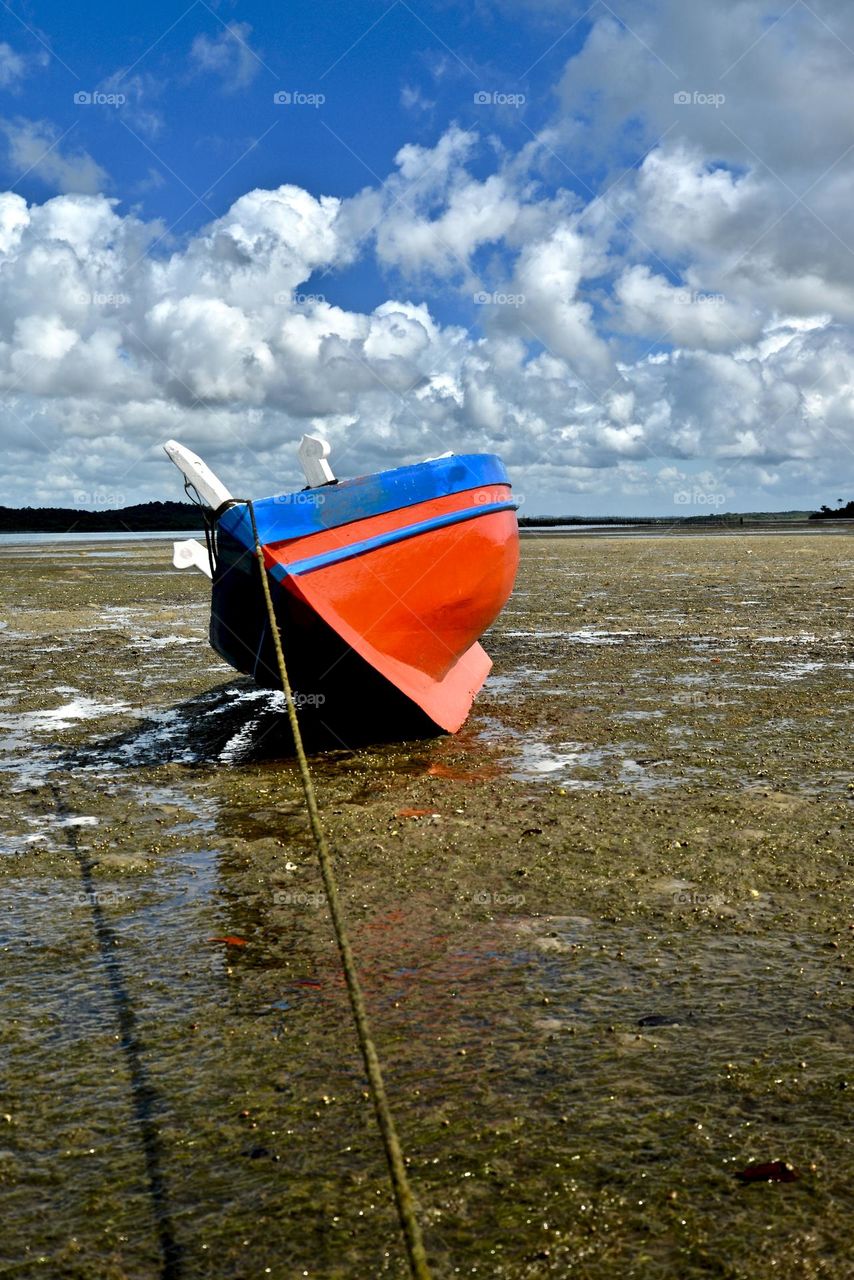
<point x="231" y="939"/>
<point x="771" y="1171"/>
<point x="417" y="813"/>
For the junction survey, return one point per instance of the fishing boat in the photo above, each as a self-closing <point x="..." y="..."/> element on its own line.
<point x="382" y="585"/>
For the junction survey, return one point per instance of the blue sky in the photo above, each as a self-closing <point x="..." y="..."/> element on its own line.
<point x="191" y="138"/>
<point x="606" y="241"/>
<point x="388" y="73"/>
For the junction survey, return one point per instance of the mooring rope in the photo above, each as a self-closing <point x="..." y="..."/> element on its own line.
<point x="397" y="1170"/>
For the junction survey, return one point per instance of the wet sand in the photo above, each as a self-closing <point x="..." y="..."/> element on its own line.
<point x="607" y="963"/>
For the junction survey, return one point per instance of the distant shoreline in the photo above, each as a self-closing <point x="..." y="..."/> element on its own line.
<point x="179" y="517"/>
<point x="94" y="538"/>
<point x="728" y="520"/>
<point x="184" y="517"/>
<point x="685" y="529"/>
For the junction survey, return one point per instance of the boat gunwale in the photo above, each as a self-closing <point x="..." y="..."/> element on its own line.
<point x="297" y="514"/>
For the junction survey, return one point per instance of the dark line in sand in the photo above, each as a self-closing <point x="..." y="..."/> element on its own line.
<point x="142" y="1091"/>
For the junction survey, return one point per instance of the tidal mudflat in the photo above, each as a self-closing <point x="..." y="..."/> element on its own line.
<point x="604" y="933"/>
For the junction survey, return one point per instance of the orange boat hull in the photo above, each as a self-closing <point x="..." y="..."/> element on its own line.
<point x="415" y="609"/>
<point x="409" y="590"/>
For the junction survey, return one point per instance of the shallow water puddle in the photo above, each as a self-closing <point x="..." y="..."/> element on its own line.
<point x="62" y="717"/>
<point x="794" y="670"/>
<point x="143" y="644"/>
<point x="587" y="635"/>
<point x="518" y="682"/>
<point x="580" y="766"/>
<point x="536" y="760"/>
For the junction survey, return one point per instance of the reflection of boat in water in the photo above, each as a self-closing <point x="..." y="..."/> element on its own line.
<point x="382" y="585"/>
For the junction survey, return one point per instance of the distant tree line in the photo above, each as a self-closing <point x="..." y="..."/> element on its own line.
<point x="146" y="516"/>
<point x="834" y="513"/>
<point x="727" y="518"/>
<point x="182" y="517"/>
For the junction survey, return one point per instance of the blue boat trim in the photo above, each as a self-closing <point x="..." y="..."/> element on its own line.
<point x="297" y="515"/>
<point x="325" y="558"/>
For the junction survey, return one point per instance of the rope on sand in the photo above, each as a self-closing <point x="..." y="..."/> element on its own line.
<point x="397" y="1171"/>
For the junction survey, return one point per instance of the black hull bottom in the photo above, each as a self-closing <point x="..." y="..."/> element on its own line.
<point x="341" y="699"/>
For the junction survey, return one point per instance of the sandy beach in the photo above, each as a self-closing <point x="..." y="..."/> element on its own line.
<point x="603" y="932"/>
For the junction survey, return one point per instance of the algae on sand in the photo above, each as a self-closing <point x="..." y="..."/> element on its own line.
<point x="603" y="933"/>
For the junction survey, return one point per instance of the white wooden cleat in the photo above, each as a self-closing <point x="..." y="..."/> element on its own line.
<point x="313" y="452"/>
<point x="209" y="488"/>
<point x="190" y="554"/>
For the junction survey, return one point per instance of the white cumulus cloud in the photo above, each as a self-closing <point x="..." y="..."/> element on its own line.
<point x="688" y="329"/>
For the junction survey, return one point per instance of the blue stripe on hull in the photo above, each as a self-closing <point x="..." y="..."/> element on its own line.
<point x="296" y="515"/>
<point x="310" y="563"/>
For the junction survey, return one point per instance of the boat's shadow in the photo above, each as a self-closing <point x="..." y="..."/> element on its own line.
<point x="238" y="723"/>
